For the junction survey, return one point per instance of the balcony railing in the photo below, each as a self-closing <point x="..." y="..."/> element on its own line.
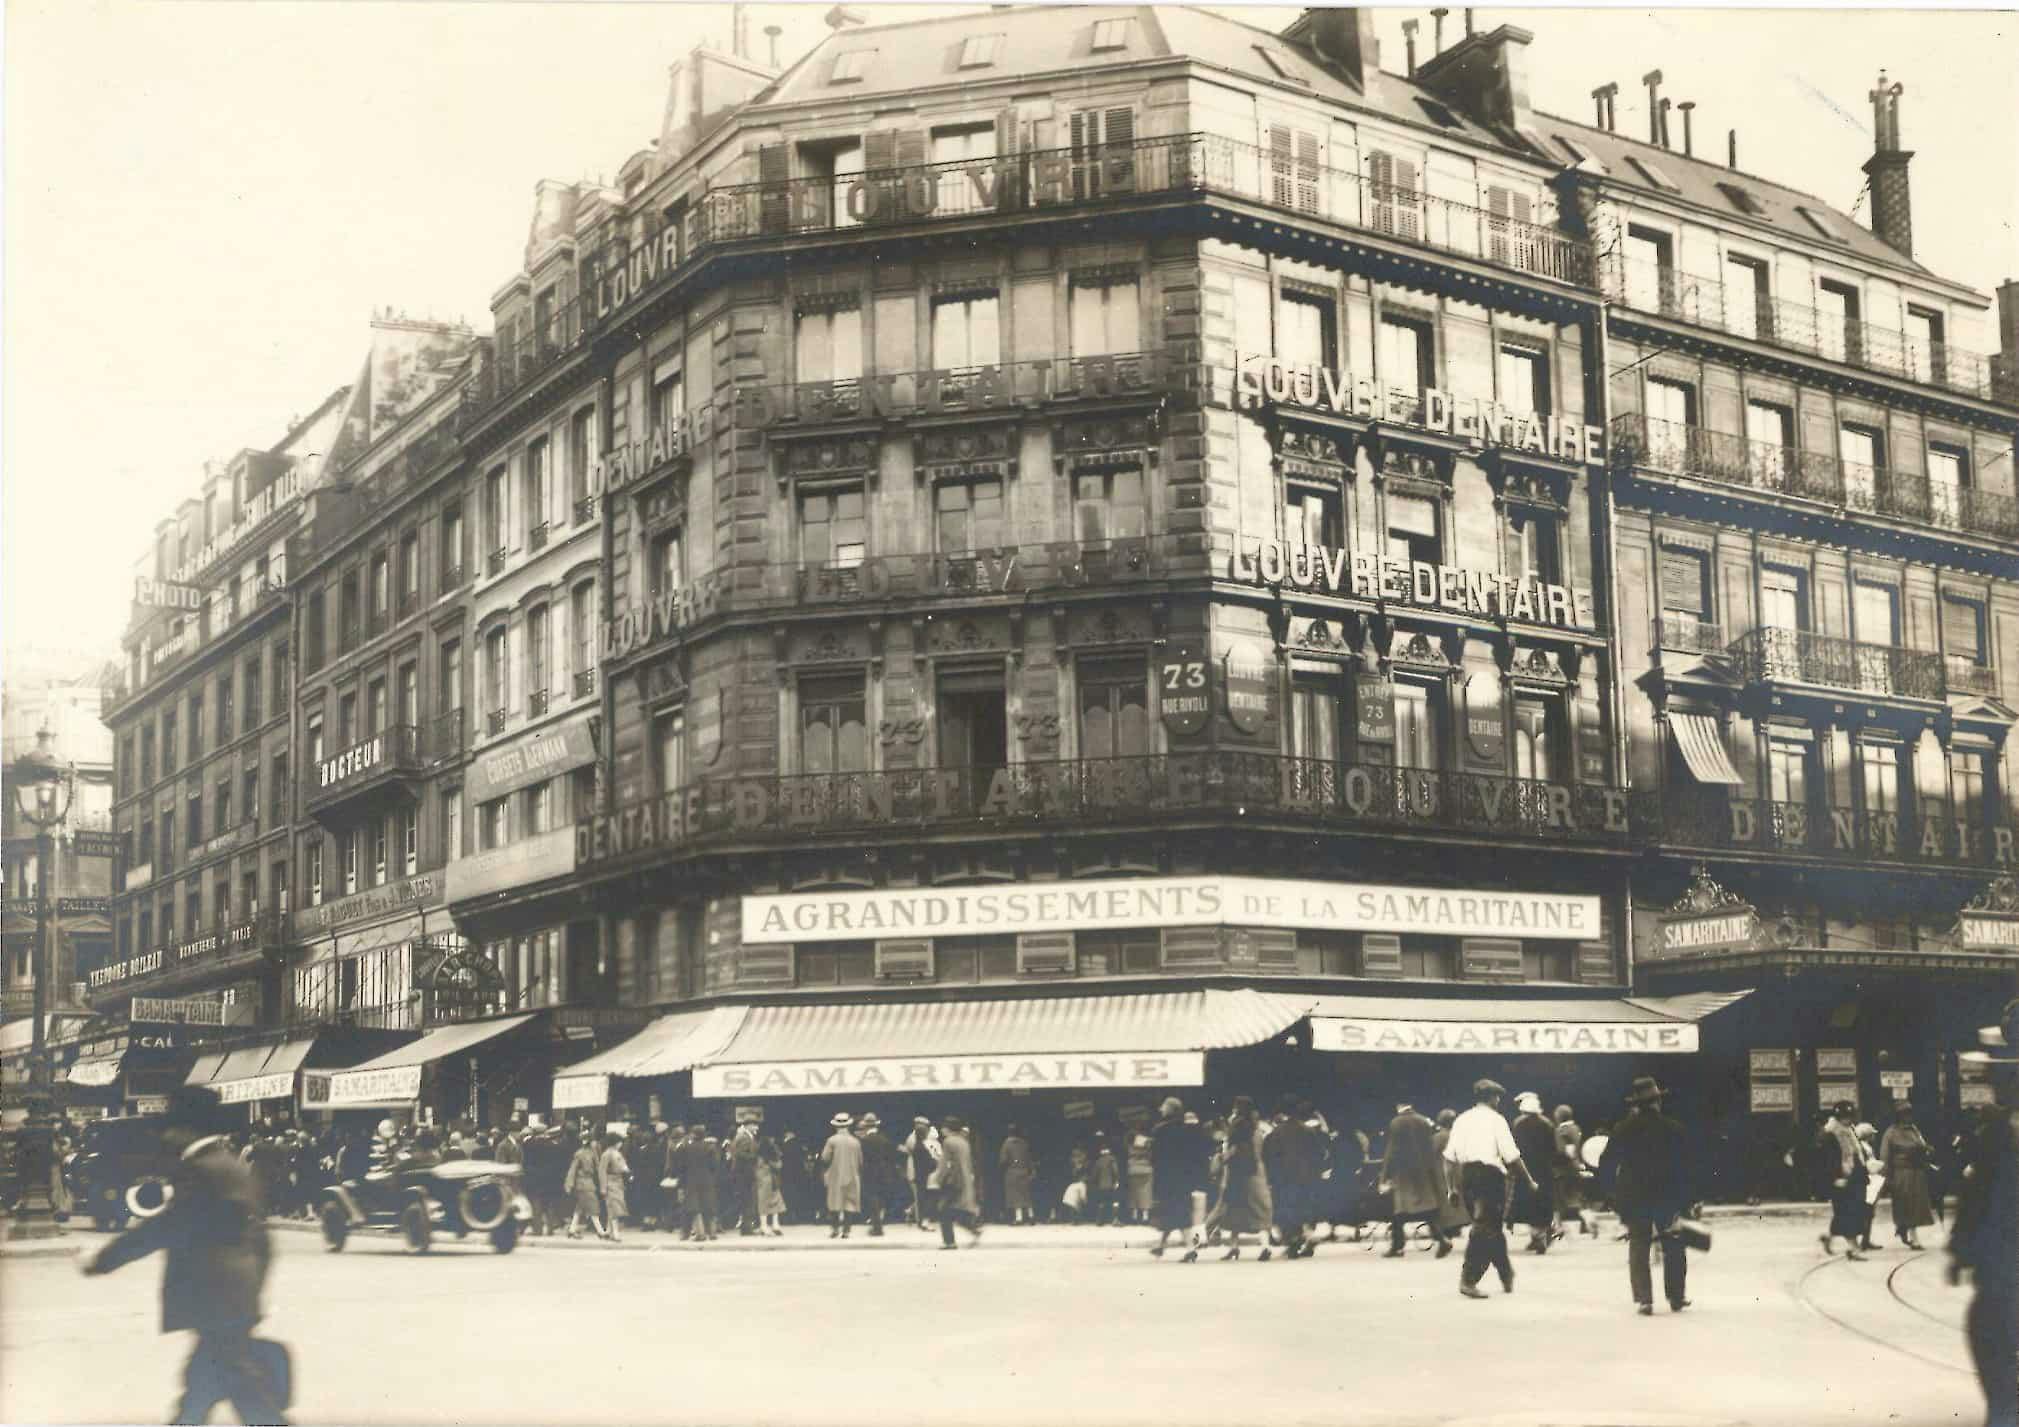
<point x="536" y="703"/>
<point x="1710" y="818"/>
<point x="391" y="751"/>
<point x="453" y="577"/>
<point x="442" y="736"/>
<point x="585" y="510"/>
<point x="1770" y="655"/>
<point x="1225" y="785"/>
<point x="494" y="721"/>
<point x="997" y="387"/>
<point x="585" y="683"/>
<point x="1812" y="475"/>
<point x="495" y="561"/>
<point x="1804" y="327"/>
<point x="536" y="538"/>
<point x="520" y="355"/>
<point x="1686" y="634"/>
<point x="1966" y="676"/>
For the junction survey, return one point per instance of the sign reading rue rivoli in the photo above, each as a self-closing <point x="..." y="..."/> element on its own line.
<point x="951" y="1072"/>
<point x="1346" y="1033"/>
<point x="1169" y="902"/>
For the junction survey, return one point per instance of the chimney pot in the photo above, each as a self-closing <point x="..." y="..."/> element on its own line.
<point x="1468" y="22"/>
<point x="771" y="33"/>
<point x="1437" y="20"/>
<point x="1731" y="148"/>
<point x="1409" y="28"/>
<point x="1892" y="201"/>
<point x="1652" y="79"/>
<point x="1689" y="138"/>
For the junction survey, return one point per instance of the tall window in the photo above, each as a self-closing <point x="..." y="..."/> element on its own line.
<point x="253" y="686"/>
<point x="381" y="852"/>
<point x="965" y="332"/>
<point x="827" y="346"/>
<point x="539" y="808"/>
<point x="409" y="677"/>
<point x="347" y="859"/>
<point x="382" y="586"/>
<point x="497" y="669"/>
<point x="312" y="868"/>
<point x="1306" y="330"/>
<point x="961" y="144"/>
<point x="1837" y="326"/>
<point x="1524" y="380"/>
<point x="1788" y="771"/>
<point x="316" y="750"/>
<point x="539" y="490"/>
<point x="376" y="709"/>
<point x="1106" y="318"/>
<point x="410" y="568"/>
<point x="833" y="526"/>
<point x="1926" y="348"/>
<point x="1406" y="355"/>
<point x="452" y="544"/>
<point x="1538" y="548"/>
<point x="347" y="720"/>
<point x="220" y="806"/>
<point x="1784" y="598"/>
<point x="1685" y="603"/>
<point x="1879" y="772"/>
<point x="195" y="727"/>
<point x="1312" y="516"/>
<point x="1966" y="786"/>
<point x="1416" y="734"/>
<point x="1749" y="307"/>
<point x="666" y="563"/>
<point x="1948" y="476"/>
<point x="833" y="729"/>
<point x="1317" y="714"/>
<point x="669" y="749"/>
<point x="1863" y="451"/>
<point x="1413" y="529"/>
<point x="1535" y="753"/>
<point x="169" y="745"/>
<point x="1771" y="430"/>
<point x="494" y="512"/>
<point x="582" y="630"/>
<point x="1963" y="629"/>
<point x="538" y="653"/>
<point x="449" y="677"/>
<point x="410" y="841"/>
<point x="581" y="455"/>
<point x="967" y="515"/>
<point x="1650" y="270"/>
<point x="225" y="715"/>
<point x="452" y="822"/>
<point x="1114" y="708"/>
<point x="492" y="828"/>
<point x="1110" y="505"/>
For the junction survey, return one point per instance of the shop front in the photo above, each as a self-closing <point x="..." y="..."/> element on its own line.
<point x="264" y="1075"/>
<point x="128" y="1070"/>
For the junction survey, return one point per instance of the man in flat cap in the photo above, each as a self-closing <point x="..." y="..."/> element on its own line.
<point x="214" y="1233"/>
<point x="1482" y="1153"/>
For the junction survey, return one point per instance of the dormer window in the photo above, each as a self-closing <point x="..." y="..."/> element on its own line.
<point x="1823" y="226"/>
<point x="1439" y="115"/>
<point x="1111" y="35"/>
<point x="1579" y="154"/>
<point x="980" y="51"/>
<point x="850" y="66"/>
<point x="1741" y="199"/>
<point x="1279" y="65"/>
<point x="1652" y="172"/>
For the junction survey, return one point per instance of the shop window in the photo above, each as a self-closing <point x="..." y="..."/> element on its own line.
<point x="833" y="526"/>
<point x="968" y="515"/>
<point x="1524" y="379"/>
<point x="1312" y="516"/>
<point x="1110" y="505"/>
<point x="1106" y="318"/>
<point x="1113" y="704"/>
<point x="1414" y="533"/>
<point x="1307" y="332"/>
<point x="833" y="727"/>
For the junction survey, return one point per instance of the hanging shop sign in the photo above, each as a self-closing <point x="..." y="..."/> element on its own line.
<point x="1416" y="1037"/>
<point x="1706" y="919"/>
<point x="532" y="759"/>
<point x="950" y="1072"/>
<point x="1264" y="379"/>
<point x="166" y="594"/>
<point x="1247" y="678"/>
<point x="1182" y="696"/>
<point x="91" y="843"/>
<point x="359" y="758"/>
<point x="393" y="1085"/>
<point x="1454" y="589"/>
<point x="1989" y="921"/>
<point x="194" y="1011"/>
<point x="1099" y="905"/>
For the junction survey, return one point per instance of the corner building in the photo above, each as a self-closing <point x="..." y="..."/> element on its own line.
<point x="1106" y="582"/>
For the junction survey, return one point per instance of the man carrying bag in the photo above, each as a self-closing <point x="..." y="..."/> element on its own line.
<point x="1651" y="1193"/>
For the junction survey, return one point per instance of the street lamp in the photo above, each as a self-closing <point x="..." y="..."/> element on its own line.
<point x="43" y="789"/>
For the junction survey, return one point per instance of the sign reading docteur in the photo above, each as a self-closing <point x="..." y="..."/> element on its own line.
<point x="1169" y="901"/>
<point x="951" y="1072"/>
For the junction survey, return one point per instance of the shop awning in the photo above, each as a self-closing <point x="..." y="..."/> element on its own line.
<point x="97" y="1070"/>
<point x="1424" y="1025"/>
<point x="206" y="1068"/>
<point x="1703" y="749"/>
<point x="241" y="1082"/>
<point x="1053" y="1042"/>
<point x="675" y="1042"/>
<point x="395" y="1077"/>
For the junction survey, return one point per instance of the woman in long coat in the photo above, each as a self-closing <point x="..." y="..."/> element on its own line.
<point x="1534" y="1194"/>
<point x="616" y="1170"/>
<point x="584" y="1185"/>
<point x="1244" y="1206"/>
<point x="1413" y="1171"/>
<point x="841" y="1170"/>
<point x="1019" y="1170"/>
<point x="1906" y="1156"/>
<point x="770" y="1200"/>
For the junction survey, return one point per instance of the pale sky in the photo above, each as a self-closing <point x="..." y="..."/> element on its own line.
<point x="205" y="201"/>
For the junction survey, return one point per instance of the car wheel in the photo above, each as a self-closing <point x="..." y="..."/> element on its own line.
<point x="483" y="1205"/>
<point x="505" y="1237"/>
<point x="336" y="1226"/>
<point x="148" y="1196"/>
<point x="415" y="1227"/>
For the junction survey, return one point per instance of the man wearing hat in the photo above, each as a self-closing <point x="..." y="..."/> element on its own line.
<point x="1985" y="1240"/>
<point x="841" y="1170"/>
<point x="881" y="1168"/>
<point x="1293" y="1157"/>
<point x="921" y="1153"/>
<point x="1482" y="1152"/>
<point x="215" y="1237"/>
<point x="1180" y="1168"/>
<point x="1650" y="1191"/>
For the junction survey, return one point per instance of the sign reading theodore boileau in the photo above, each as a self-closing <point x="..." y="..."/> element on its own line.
<point x="1169" y="902"/>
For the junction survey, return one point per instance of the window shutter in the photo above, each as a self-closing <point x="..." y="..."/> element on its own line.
<point x="1380" y="190"/>
<point x="1281" y="162"/>
<point x="1380" y="954"/>
<point x="906" y="960"/>
<point x="879" y="150"/>
<point x="1044" y="953"/>
<point x="1086" y="128"/>
<point x="1526" y="251"/>
<point x="1007" y="173"/>
<point x="1497" y="208"/>
<point x="1408" y="202"/>
<point x="773" y="203"/>
<point x="1118" y="170"/>
<point x="1963" y="629"/>
<point x="1307" y="171"/>
<point x="1682" y="583"/>
<point x="1121" y="124"/>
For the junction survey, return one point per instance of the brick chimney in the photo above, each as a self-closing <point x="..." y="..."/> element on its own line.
<point x="1343" y="35"/>
<point x="1485" y="77"/>
<point x="2005" y="365"/>
<point x="1892" y="202"/>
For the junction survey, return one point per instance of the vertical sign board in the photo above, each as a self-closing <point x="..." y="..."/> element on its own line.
<point x="1183" y="699"/>
<point x="1486" y="725"/>
<point x="1374" y="707"/>
<point x="1772" y="1076"/>
<point x="1837" y="1077"/>
<point x="1247" y="674"/>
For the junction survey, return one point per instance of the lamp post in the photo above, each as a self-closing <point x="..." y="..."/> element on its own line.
<point x="43" y="789"/>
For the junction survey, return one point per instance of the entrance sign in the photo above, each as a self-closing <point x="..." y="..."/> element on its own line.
<point x="1182" y="696"/>
<point x="1706" y="919"/>
<point x="1105" y="904"/>
<point x="950" y="1072"/>
<point x="1989" y="921"/>
<point x="1352" y="1033"/>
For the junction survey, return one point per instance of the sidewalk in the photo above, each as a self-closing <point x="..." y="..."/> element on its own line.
<point x="897" y="1238"/>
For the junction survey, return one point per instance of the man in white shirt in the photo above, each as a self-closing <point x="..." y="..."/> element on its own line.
<point x="1481" y="1151"/>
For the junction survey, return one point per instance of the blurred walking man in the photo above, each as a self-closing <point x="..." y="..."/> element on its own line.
<point x="1650" y="1191"/>
<point x="1482" y="1151"/>
<point x="215" y="1237"/>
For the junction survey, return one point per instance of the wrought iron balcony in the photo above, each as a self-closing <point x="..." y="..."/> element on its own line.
<point x="443" y="736"/>
<point x="1799" y="656"/>
<point x="520" y="354"/>
<point x="1001" y="386"/>
<point x="495" y="562"/>
<point x="1686" y="634"/>
<point x="389" y="755"/>
<point x="536" y="538"/>
<point x="536" y="703"/>
<point x="1711" y="818"/>
<point x="585" y="683"/>
<point x="494" y="721"/>
<point x="1803" y="327"/>
<point x="585" y="510"/>
<point x="1967" y="676"/>
<point x="1220" y="786"/>
<point x="1728" y="459"/>
<point x="453" y="577"/>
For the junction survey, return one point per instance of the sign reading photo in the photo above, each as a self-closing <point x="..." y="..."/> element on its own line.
<point x="1101" y="905"/>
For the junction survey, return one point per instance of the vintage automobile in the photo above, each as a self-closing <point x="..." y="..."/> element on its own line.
<point x="459" y="1196"/>
<point x="117" y="1171"/>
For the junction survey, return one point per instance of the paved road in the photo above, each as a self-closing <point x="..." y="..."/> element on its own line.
<point x="1045" y="1333"/>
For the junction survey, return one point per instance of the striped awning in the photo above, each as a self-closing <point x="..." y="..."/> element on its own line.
<point x="206" y="1067"/>
<point x="1691" y="1006"/>
<point x="1557" y="1025"/>
<point x="675" y="1042"/>
<point x="1153" y="1040"/>
<point x="1703" y="749"/>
